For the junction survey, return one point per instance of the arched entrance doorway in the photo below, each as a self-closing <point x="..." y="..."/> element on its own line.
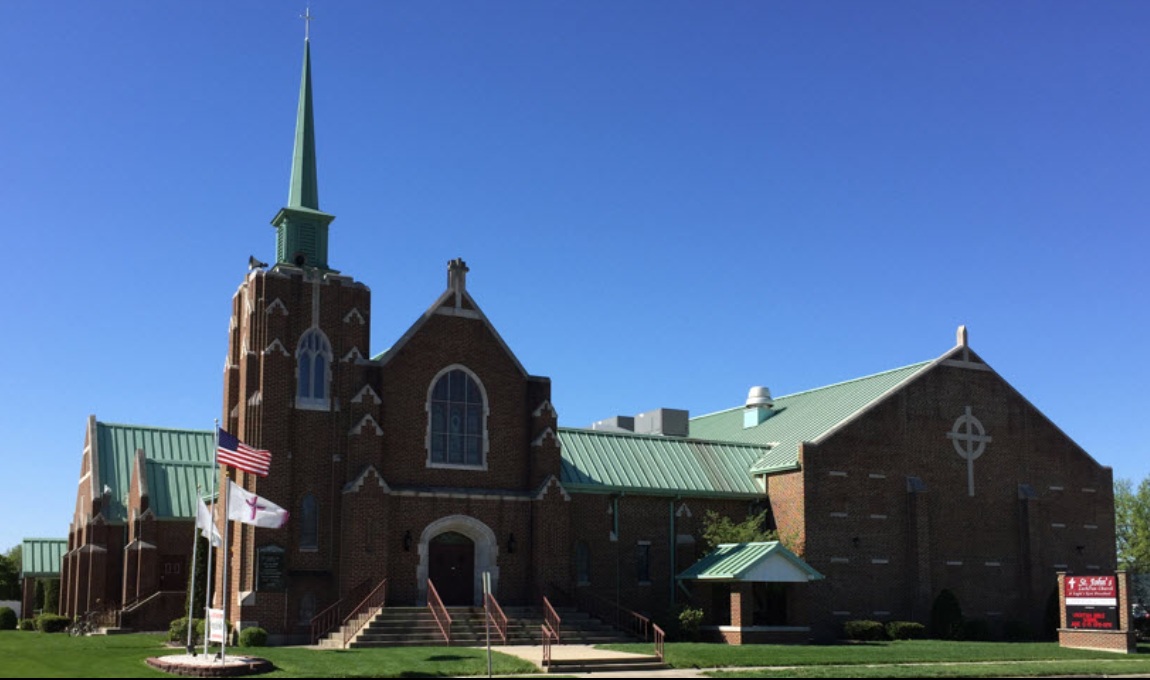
<point x="451" y="567"/>
<point x="449" y="540"/>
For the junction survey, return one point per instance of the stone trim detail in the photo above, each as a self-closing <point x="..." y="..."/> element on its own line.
<point x="367" y="419"/>
<point x="276" y="303"/>
<point x="272" y="347"/>
<point x="354" y="314"/>
<point x="366" y="391"/>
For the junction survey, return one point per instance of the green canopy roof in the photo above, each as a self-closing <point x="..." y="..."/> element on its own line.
<point x="751" y="562"/>
<point x="176" y="461"/>
<point x="800" y="417"/>
<point x="596" y="461"/>
<point x="41" y="557"/>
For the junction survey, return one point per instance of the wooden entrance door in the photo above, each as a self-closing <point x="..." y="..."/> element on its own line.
<point x="451" y="567"/>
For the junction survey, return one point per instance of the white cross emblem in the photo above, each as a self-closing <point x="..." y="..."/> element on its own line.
<point x="970" y="440"/>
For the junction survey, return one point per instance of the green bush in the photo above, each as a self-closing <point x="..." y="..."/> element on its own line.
<point x="690" y="621"/>
<point x="51" y="623"/>
<point x="905" y="630"/>
<point x="178" y="630"/>
<point x="946" y="617"/>
<point x="253" y="637"/>
<point x="7" y="619"/>
<point x="1017" y="631"/>
<point x="977" y="630"/>
<point x="27" y="624"/>
<point x="864" y="630"/>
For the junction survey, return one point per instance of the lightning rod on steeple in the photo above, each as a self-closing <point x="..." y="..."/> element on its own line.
<point x="307" y="19"/>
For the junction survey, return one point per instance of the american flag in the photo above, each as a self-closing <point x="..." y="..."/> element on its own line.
<point x="232" y="451"/>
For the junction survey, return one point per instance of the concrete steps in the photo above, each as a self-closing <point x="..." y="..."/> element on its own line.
<point x="607" y="665"/>
<point x="415" y="626"/>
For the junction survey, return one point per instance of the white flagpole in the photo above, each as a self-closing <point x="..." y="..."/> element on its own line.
<point x="227" y="550"/>
<point x="211" y="534"/>
<point x="192" y="590"/>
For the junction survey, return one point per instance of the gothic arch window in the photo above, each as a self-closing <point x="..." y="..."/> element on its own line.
<point x="457" y="420"/>
<point x="309" y="524"/>
<point x="313" y="371"/>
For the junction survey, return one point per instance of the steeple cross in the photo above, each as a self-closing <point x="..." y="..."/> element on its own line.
<point x="307" y="19"/>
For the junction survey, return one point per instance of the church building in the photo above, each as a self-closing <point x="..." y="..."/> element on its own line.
<point x="441" y="459"/>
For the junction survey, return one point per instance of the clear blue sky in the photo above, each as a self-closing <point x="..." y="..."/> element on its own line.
<point x="662" y="204"/>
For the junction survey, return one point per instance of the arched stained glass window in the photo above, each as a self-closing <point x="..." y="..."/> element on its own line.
<point x="457" y="429"/>
<point x="313" y="372"/>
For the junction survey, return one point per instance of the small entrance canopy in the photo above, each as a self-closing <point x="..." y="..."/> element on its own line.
<point x="767" y="562"/>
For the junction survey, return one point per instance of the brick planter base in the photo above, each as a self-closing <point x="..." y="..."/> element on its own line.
<point x="1122" y="642"/>
<point x="201" y="667"/>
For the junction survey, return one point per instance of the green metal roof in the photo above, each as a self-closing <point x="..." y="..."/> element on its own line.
<point x="176" y="461"/>
<point x="733" y="562"/>
<point x="596" y="461"/>
<point x="799" y="417"/>
<point x="41" y="557"/>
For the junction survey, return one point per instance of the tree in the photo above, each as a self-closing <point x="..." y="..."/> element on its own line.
<point x="52" y="596"/>
<point x="9" y="578"/>
<point x="1132" y="525"/>
<point x="719" y="529"/>
<point x="201" y="572"/>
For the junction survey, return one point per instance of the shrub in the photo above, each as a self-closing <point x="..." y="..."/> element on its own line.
<point x="864" y="630"/>
<point x="976" y="630"/>
<point x="905" y="630"/>
<point x="7" y="619"/>
<point x="51" y="623"/>
<point x="253" y="637"/>
<point x="946" y="617"/>
<point x="690" y="620"/>
<point x="27" y="624"/>
<point x="1017" y="631"/>
<point x="178" y="630"/>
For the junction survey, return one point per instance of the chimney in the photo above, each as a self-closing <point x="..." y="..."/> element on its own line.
<point x="758" y="409"/>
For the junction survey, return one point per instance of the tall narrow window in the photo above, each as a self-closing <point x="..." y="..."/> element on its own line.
<point x="457" y="422"/>
<point x="582" y="563"/>
<point x="309" y="524"/>
<point x="644" y="562"/>
<point x="313" y="372"/>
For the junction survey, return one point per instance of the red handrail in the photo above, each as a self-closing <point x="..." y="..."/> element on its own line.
<point x="496" y="616"/>
<point x="553" y="619"/>
<point x="548" y="634"/>
<point x="323" y="622"/>
<point x="660" y="640"/>
<point x="442" y="618"/>
<point x="358" y="617"/>
<point x="614" y="614"/>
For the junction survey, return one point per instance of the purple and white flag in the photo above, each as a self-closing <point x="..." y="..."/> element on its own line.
<point x="247" y="508"/>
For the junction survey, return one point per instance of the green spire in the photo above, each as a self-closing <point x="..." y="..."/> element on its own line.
<point x="304" y="191"/>
<point x="301" y="228"/>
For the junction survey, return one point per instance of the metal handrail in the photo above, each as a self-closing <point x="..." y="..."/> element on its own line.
<point x="433" y="601"/>
<point x="496" y="616"/>
<point x="615" y="614"/>
<point x="553" y="619"/>
<point x="331" y="617"/>
<point x="660" y="641"/>
<point x="548" y="634"/>
<point x="364" y="611"/>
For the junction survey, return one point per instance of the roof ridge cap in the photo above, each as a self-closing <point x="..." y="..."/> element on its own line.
<point x="153" y="427"/>
<point x="660" y="437"/>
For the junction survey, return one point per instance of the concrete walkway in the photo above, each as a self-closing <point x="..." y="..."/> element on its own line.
<point x="534" y="653"/>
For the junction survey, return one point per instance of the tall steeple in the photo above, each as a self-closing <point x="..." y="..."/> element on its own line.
<point x="301" y="228"/>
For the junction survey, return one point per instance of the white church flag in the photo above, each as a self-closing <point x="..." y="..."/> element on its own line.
<point x="204" y="523"/>
<point x="248" y="508"/>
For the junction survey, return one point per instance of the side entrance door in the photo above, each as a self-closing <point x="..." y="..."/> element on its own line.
<point x="451" y="567"/>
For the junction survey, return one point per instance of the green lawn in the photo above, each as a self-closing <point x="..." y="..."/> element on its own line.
<point x="1113" y="666"/>
<point x="26" y="654"/>
<point x="699" y="655"/>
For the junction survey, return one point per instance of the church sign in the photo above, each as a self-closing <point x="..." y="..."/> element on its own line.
<point x="270" y="576"/>
<point x="1092" y="603"/>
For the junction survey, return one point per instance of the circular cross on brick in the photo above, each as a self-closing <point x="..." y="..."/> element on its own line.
<point x="970" y="439"/>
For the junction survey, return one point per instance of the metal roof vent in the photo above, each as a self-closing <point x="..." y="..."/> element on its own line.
<point x="759" y="405"/>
